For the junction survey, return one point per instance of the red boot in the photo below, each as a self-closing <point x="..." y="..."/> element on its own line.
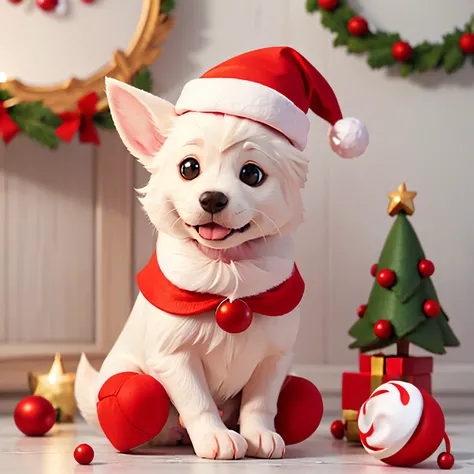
<point x="132" y="409"/>
<point x="300" y="409"/>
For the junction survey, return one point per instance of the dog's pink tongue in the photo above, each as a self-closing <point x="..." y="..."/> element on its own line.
<point x="213" y="231"/>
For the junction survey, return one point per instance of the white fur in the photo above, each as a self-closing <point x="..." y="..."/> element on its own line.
<point x="202" y="367"/>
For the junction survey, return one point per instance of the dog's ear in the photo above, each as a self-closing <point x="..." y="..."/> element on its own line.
<point x="143" y="120"/>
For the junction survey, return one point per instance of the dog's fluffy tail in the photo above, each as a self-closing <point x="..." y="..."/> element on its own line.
<point x="85" y="390"/>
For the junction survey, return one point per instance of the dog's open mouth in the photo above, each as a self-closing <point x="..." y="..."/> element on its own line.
<point x="213" y="231"/>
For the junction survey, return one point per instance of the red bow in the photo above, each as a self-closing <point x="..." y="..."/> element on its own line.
<point x="8" y="127"/>
<point x="80" y="119"/>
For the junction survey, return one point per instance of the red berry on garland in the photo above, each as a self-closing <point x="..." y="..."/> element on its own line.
<point x="466" y="43"/>
<point x="431" y="308"/>
<point x="361" y="310"/>
<point x="34" y="416"/>
<point x="337" y="429"/>
<point x="84" y="454"/>
<point x="234" y="317"/>
<point x="47" y="5"/>
<point x="328" y="4"/>
<point x="383" y="329"/>
<point x="402" y="51"/>
<point x="358" y="26"/>
<point x="445" y="461"/>
<point x="386" y="278"/>
<point x="373" y="270"/>
<point x="426" y="268"/>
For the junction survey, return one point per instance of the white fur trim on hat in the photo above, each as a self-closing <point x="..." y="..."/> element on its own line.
<point x="349" y="137"/>
<point x="249" y="100"/>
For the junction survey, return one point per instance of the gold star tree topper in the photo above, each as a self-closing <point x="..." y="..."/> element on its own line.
<point x="401" y="200"/>
<point x="57" y="386"/>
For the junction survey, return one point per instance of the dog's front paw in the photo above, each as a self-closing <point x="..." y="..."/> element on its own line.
<point x="265" y="444"/>
<point x="262" y="441"/>
<point x="219" y="444"/>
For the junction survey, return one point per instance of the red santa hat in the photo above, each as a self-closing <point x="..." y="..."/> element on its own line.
<point x="275" y="86"/>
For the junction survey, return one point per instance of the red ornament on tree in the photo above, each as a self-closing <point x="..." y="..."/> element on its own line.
<point x="466" y="43"/>
<point x="383" y="329"/>
<point x="402" y="51"/>
<point x="337" y="429"/>
<point x="445" y="461"/>
<point x="361" y="310"/>
<point x="328" y="4"/>
<point x="84" y="454"/>
<point x="431" y="308"/>
<point x="373" y="270"/>
<point x="426" y="268"/>
<point x="358" y="26"/>
<point x="386" y="278"/>
<point x="34" y="416"/>
<point x="234" y="317"/>
<point x="47" y="5"/>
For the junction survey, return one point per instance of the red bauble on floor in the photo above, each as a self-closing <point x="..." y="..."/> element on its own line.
<point x="328" y="4"/>
<point x="426" y="268"/>
<point x="47" y="5"/>
<point x="337" y="429"/>
<point x="34" y="416"/>
<point x="358" y="26"/>
<point x="361" y="310"/>
<point x="445" y="461"/>
<point x="383" y="329"/>
<point x="431" y="308"/>
<point x="426" y="439"/>
<point x="466" y="43"/>
<point x="234" y="317"/>
<point x="84" y="454"/>
<point x="15" y="1"/>
<point x="386" y="278"/>
<point x="402" y="51"/>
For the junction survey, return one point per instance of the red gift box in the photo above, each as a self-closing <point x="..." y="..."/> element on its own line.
<point x="357" y="387"/>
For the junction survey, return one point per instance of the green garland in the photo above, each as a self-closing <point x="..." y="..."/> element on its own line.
<point x="40" y="123"/>
<point x="378" y="45"/>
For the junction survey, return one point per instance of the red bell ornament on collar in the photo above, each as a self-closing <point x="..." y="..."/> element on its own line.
<point x="231" y="316"/>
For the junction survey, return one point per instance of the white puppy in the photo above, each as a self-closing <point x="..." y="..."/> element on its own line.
<point x="224" y="195"/>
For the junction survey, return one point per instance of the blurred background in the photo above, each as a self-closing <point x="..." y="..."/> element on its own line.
<point x="72" y="235"/>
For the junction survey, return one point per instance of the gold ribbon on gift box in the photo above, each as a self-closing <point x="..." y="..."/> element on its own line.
<point x="349" y="415"/>
<point x="349" y="418"/>
<point x="377" y="372"/>
<point x="377" y="369"/>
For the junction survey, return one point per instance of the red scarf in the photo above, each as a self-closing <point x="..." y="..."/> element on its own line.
<point x="163" y="294"/>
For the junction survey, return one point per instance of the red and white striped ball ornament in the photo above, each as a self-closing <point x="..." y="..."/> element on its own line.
<point x="402" y="425"/>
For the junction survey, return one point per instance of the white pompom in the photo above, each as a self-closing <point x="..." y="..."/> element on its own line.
<point x="349" y="137"/>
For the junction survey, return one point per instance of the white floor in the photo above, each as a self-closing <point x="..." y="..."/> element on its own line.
<point x="53" y="455"/>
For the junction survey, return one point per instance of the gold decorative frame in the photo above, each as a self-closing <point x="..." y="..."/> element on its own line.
<point x="143" y="50"/>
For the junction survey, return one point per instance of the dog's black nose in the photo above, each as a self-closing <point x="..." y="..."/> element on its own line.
<point x="213" y="201"/>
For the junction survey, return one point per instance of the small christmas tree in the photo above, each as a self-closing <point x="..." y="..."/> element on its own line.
<point x="403" y="307"/>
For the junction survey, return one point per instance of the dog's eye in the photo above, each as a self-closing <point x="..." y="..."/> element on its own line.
<point x="189" y="168"/>
<point x="251" y="175"/>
